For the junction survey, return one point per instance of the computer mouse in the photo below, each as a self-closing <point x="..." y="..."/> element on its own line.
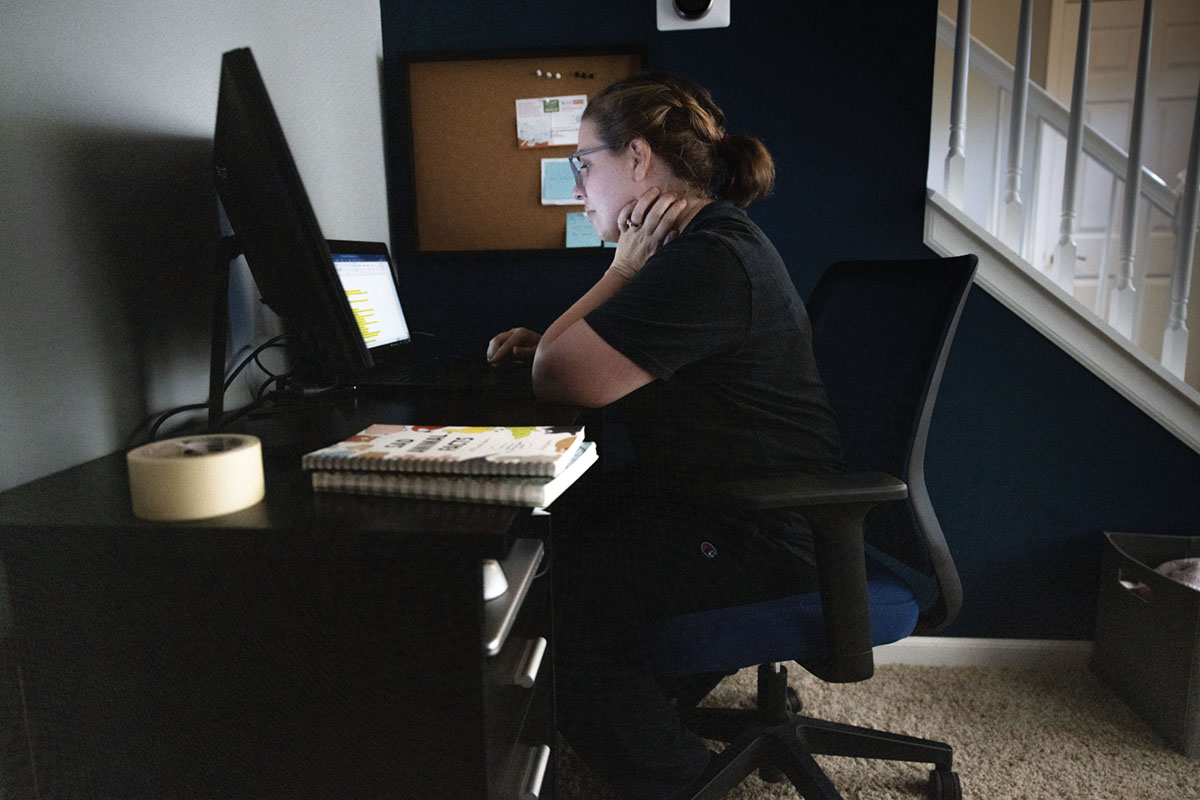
<point x="494" y="582"/>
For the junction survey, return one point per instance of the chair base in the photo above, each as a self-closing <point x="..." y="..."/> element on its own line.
<point x="774" y="739"/>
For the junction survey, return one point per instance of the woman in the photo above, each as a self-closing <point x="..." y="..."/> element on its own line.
<point x="697" y="350"/>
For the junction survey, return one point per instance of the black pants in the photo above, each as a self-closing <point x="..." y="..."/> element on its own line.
<point x="630" y="549"/>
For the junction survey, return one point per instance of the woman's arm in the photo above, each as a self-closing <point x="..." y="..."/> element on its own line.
<point x="573" y="364"/>
<point x="577" y="367"/>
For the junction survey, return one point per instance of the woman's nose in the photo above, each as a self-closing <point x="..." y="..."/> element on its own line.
<point x="578" y="193"/>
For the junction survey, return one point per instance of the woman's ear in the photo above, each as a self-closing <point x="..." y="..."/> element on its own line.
<point x="642" y="155"/>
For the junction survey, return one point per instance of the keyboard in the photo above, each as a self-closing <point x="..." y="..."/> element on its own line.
<point x="448" y="373"/>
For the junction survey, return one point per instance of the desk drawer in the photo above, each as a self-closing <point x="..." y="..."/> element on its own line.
<point x="521" y="567"/>
<point x="530" y="770"/>
<point x="518" y="690"/>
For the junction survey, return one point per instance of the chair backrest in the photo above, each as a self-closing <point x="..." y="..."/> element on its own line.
<point x="881" y="334"/>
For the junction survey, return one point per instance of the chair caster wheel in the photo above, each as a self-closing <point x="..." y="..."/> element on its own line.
<point x="794" y="703"/>
<point x="944" y="785"/>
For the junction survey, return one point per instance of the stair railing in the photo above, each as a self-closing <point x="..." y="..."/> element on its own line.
<point x="1020" y="216"/>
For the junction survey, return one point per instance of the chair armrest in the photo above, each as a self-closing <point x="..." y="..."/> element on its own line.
<point x="835" y="506"/>
<point x="802" y="489"/>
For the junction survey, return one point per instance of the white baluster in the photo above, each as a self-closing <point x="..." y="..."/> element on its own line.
<point x="1100" y="302"/>
<point x="957" y="157"/>
<point x="1175" y="338"/>
<point x="1124" y="297"/>
<point x="1013" y="211"/>
<point x="1067" y="251"/>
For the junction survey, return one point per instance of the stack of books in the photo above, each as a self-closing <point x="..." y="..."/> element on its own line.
<point x="516" y="466"/>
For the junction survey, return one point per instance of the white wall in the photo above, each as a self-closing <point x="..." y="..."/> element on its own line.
<point x="106" y="116"/>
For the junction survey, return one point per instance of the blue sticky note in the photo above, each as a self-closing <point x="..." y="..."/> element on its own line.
<point x="580" y="232"/>
<point x="558" y="183"/>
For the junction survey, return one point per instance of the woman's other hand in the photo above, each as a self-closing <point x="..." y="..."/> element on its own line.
<point x="516" y="344"/>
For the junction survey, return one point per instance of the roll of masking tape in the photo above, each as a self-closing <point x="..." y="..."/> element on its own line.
<point x="193" y="477"/>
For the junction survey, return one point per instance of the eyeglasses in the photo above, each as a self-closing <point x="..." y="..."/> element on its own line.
<point x="577" y="166"/>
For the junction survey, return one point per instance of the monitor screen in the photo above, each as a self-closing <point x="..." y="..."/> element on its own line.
<point x="276" y="228"/>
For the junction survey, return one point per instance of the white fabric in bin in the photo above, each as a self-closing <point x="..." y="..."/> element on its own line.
<point x="1184" y="570"/>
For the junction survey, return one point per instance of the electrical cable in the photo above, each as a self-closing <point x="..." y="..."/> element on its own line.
<point x="237" y="414"/>
<point x="253" y="358"/>
<point x="172" y="412"/>
<point x="260" y="398"/>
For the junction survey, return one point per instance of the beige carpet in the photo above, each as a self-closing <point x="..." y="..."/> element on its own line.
<point x="1016" y="733"/>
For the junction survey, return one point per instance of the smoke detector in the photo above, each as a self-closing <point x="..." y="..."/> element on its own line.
<point x="679" y="15"/>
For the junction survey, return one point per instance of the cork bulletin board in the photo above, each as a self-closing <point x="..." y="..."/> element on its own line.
<point x="475" y="188"/>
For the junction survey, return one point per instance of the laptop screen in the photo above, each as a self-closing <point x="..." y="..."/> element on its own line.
<point x="370" y="287"/>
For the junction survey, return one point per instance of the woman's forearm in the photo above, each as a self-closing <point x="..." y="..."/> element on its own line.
<point x="608" y="285"/>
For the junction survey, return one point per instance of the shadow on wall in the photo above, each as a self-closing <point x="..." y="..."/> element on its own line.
<point x="106" y="262"/>
<point x="146" y="207"/>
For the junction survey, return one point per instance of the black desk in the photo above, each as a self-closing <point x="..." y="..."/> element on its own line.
<point x="326" y="646"/>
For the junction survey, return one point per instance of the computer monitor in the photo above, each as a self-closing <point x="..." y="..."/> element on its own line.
<point x="276" y="228"/>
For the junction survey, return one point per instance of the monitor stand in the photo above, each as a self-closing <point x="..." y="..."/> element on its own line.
<point x="227" y="250"/>
<point x="311" y="380"/>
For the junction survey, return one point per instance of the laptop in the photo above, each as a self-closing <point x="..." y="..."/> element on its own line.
<point x="366" y="275"/>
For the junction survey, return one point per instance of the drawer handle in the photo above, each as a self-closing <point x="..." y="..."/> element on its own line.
<point x="535" y="772"/>
<point x="533" y="662"/>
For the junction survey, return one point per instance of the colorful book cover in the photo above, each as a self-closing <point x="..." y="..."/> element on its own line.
<point x="541" y="450"/>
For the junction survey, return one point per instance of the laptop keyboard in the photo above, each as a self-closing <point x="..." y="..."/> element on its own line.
<point x="450" y="373"/>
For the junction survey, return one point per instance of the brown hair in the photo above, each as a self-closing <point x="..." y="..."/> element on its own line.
<point x="687" y="129"/>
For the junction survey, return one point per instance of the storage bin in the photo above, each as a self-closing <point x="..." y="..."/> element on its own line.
<point x="1148" y="634"/>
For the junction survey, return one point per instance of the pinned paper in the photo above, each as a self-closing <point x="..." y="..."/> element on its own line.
<point x="580" y="232"/>
<point x="549" y="121"/>
<point x="558" y="183"/>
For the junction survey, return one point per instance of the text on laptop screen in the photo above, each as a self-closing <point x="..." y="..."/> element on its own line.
<point x="367" y="280"/>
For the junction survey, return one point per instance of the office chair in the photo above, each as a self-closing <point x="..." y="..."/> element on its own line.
<point x="882" y="331"/>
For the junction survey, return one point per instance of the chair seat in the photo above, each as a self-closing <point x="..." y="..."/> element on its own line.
<point x="785" y="629"/>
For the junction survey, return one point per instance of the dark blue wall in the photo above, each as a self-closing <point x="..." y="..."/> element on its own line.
<point x="1030" y="456"/>
<point x="781" y="74"/>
